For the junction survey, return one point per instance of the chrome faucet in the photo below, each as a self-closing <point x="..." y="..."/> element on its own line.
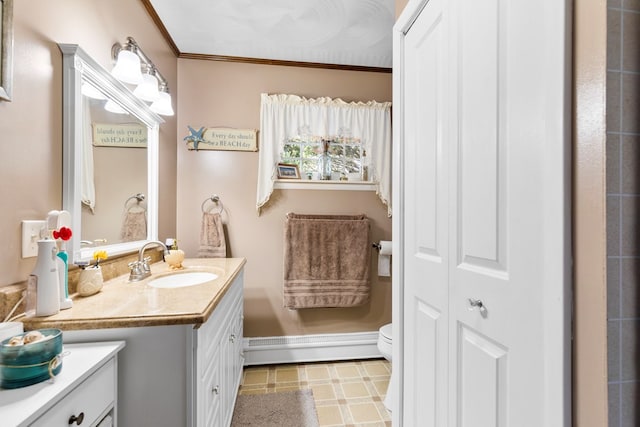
<point x="140" y="269"/>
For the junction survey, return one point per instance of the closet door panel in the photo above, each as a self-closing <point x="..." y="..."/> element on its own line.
<point x="425" y="236"/>
<point x="504" y="180"/>
<point x="481" y="157"/>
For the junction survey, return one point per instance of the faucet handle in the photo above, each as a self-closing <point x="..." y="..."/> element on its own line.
<point x="145" y="265"/>
<point x="136" y="269"/>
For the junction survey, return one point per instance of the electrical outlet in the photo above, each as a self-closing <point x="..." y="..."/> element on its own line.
<point x="31" y="230"/>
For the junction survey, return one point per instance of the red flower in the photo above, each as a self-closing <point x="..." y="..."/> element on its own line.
<point x="64" y="233"/>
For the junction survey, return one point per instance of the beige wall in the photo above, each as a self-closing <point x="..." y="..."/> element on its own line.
<point x="590" y="400"/>
<point x="590" y="334"/>
<point x="228" y="94"/>
<point x="31" y="125"/>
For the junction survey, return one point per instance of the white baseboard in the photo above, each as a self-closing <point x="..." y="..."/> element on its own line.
<point x="310" y="348"/>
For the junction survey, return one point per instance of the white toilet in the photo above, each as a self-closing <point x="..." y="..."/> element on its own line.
<point x="385" y="348"/>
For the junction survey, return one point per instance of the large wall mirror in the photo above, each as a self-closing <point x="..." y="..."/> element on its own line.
<point x="110" y="158"/>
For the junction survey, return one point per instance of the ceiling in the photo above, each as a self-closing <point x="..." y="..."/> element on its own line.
<point x="355" y="34"/>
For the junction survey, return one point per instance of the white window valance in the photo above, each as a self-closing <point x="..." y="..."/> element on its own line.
<point x="283" y="117"/>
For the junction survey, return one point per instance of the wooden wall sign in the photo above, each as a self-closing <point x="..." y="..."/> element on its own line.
<point x="119" y="135"/>
<point x="226" y="139"/>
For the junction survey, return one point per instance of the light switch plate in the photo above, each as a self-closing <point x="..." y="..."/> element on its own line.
<point x="30" y="235"/>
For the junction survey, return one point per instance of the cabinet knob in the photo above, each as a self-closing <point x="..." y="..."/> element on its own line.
<point x="78" y="420"/>
<point x="232" y="338"/>
<point x="215" y="390"/>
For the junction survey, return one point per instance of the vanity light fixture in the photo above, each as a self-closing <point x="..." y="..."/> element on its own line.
<point x="162" y="105"/>
<point x="148" y="89"/>
<point x="127" y="68"/>
<point x="136" y="68"/>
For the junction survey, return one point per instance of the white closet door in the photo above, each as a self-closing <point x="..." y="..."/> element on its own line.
<point x="485" y="214"/>
<point x="426" y="240"/>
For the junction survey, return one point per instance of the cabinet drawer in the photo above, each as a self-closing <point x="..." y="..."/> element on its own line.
<point x="92" y="397"/>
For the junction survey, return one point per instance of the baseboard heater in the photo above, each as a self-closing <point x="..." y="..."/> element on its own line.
<point x="310" y="348"/>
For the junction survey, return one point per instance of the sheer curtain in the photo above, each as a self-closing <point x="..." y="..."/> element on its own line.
<point x="285" y="116"/>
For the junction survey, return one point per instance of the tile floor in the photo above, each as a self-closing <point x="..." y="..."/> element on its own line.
<point x="347" y="394"/>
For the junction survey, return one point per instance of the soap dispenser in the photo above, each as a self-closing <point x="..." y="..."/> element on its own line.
<point x="43" y="287"/>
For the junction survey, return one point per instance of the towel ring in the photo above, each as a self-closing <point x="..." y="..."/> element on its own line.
<point x="215" y="199"/>
<point x="139" y="197"/>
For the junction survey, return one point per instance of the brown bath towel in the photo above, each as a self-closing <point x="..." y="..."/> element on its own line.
<point x="212" y="242"/>
<point x="326" y="261"/>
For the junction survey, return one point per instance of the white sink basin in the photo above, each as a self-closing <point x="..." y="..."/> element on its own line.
<point x="181" y="280"/>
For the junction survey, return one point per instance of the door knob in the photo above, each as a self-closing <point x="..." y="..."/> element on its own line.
<point x="476" y="303"/>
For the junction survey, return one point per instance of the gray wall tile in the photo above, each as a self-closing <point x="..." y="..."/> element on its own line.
<point x="629" y="342"/>
<point x="629" y="227"/>
<point x="630" y="40"/>
<point x="613" y="288"/>
<point x="614" y="40"/>
<point x="613" y="350"/>
<point x="613" y="163"/>
<point x="614" y="405"/>
<point x="630" y="107"/>
<point x="629" y="291"/>
<point x="630" y="158"/>
<point x="613" y="225"/>
<point x="629" y="405"/>
<point x="614" y="102"/>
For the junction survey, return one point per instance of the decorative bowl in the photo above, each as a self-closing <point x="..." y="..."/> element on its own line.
<point x="26" y="364"/>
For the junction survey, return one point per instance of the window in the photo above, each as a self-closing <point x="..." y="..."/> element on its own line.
<point x="338" y="155"/>
<point x="328" y="139"/>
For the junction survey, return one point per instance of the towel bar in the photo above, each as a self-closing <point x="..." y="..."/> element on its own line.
<point x="139" y="197"/>
<point x="215" y="199"/>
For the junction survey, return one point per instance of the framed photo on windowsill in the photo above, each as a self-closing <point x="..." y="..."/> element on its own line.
<point x="287" y="171"/>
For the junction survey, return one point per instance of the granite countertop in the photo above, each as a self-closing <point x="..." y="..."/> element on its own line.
<point x="122" y="304"/>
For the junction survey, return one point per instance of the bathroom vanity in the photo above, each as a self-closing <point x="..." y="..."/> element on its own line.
<point x="182" y="363"/>
<point x="183" y="357"/>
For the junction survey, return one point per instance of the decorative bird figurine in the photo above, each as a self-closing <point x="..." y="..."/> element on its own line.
<point x="195" y="137"/>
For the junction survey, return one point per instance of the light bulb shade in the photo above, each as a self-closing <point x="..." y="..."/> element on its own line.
<point x="127" y="68"/>
<point x="90" y="91"/>
<point x="162" y="105"/>
<point x="114" y="107"/>
<point x="148" y="89"/>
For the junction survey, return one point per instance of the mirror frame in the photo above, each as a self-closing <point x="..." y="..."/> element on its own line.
<point x="78" y="66"/>
<point x="6" y="49"/>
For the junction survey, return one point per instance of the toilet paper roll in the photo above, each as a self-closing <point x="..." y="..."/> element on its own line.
<point x="384" y="258"/>
<point x="385" y="247"/>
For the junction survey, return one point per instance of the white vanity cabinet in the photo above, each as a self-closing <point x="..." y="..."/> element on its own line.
<point x="84" y="393"/>
<point x="182" y="363"/>
<point x="219" y="360"/>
